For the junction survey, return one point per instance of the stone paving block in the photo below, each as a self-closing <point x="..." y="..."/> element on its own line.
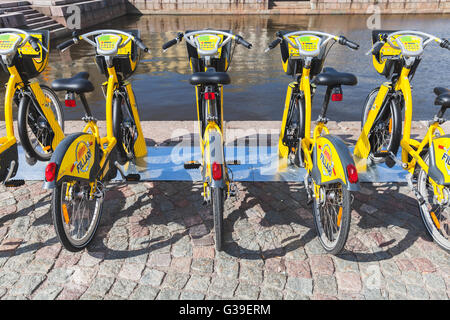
<point x="223" y="287"/>
<point x="49" y="292"/>
<point x="198" y="283"/>
<point x="152" y="277"/>
<point x="302" y="286"/>
<point x="144" y="292"/>
<point x="123" y="288"/>
<point x="175" y="280"/>
<point x="27" y="284"/>
<point x="100" y="286"/>
<point x="168" y="294"/>
<point x="247" y="291"/>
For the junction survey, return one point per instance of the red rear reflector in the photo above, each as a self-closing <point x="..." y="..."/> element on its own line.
<point x="216" y="171"/>
<point x="352" y="173"/>
<point x="71" y="103"/>
<point x="336" y="97"/>
<point x="50" y="172"/>
<point x="210" y="96"/>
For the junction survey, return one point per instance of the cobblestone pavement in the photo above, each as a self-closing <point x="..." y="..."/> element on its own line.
<point x="155" y="242"/>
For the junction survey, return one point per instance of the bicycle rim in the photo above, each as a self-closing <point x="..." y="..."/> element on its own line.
<point x="79" y="214"/>
<point x="332" y="216"/>
<point x="435" y="216"/>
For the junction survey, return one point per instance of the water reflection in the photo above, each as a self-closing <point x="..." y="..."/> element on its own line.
<point x="258" y="82"/>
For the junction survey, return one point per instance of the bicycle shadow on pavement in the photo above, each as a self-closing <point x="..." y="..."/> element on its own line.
<point x="271" y="221"/>
<point x="387" y="219"/>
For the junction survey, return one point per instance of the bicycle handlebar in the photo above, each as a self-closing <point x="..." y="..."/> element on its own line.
<point x="445" y="44"/>
<point x="66" y="44"/>
<point x="240" y="40"/>
<point x="344" y="41"/>
<point x="180" y="36"/>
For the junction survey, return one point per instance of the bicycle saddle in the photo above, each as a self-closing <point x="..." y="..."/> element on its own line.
<point x="330" y="77"/>
<point x="209" y="77"/>
<point x="443" y="97"/>
<point x="79" y="83"/>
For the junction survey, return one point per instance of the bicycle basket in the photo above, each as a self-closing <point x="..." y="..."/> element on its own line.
<point x="388" y="61"/>
<point x="220" y="62"/>
<point x="28" y="62"/>
<point x="126" y="60"/>
<point x="293" y="64"/>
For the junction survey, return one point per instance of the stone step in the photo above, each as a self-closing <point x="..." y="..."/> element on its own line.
<point x="16" y="8"/>
<point x="34" y="15"/>
<point x="53" y="26"/>
<point x="36" y="19"/>
<point x="39" y="24"/>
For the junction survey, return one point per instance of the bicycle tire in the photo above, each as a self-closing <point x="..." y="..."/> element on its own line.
<point x="429" y="221"/>
<point x="25" y="121"/>
<point x="123" y="153"/>
<point x="333" y="246"/>
<point x="395" y="114"/>
<point x="217" y="198"/>
<point x="59" y="221"/>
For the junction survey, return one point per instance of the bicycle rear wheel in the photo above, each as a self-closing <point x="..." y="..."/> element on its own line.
<point x="385" y="134"/>
<point x="332" y="216"/>
<point x="435" y="215"/>
<point x="35" y="132"/>
<point x="75" y="215"/>
<point x="217" y="198"/>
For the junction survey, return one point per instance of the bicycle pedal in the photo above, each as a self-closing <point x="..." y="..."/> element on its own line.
<point x="133" y="177"/>
<point x="192" y="165"/>
<point x="14" y="183"/>
<point x="233" y="162"/>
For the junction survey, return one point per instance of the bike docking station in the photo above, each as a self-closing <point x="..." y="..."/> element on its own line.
<point x="246" y="164"/>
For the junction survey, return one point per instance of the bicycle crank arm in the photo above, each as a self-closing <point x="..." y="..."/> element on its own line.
<point x="419" y="197"/>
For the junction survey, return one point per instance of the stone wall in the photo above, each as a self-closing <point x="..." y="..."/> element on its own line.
<point x="386" y="6"/>
<point x="286" y="7"/>
<point x="198" y="6"/>
<point x="92" y="12"/>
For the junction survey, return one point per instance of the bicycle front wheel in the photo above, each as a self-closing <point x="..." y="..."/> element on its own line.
<point x="35" y="132"/>
<point x="385" y="134"/>
<point x="435" y="214"/>
<point x="76" y="215"/>
<point x="217" y="198"/>
<point x="332" y="214"/>
<point x="124" y="128"/>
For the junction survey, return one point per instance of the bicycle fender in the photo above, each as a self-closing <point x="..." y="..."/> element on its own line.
<point x="331" y="158"/>
<point x="76" y="158"/>
<point x="439" y="164"/>
<point x="213" y="151"/>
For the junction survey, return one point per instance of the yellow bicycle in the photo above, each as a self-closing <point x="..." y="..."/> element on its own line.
<point x="40" y="122"/>
<point x="331" y="173"/>
<point x="396" y="55"/>
<point x="210" y="54"/>
<point x="84" y="162"/>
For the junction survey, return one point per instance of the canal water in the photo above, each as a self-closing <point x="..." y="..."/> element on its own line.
<point x="258" y="82"/>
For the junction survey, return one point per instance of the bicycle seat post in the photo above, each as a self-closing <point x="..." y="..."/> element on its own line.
<point x="86" y="107"/>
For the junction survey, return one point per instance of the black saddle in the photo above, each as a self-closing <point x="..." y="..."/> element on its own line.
<point x="330" y="77"/>
<point x="78" y="84"/>
<point x="443" y="97"/>
<point x="209" y="77"/>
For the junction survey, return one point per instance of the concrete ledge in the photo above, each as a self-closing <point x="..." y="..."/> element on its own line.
<point x="12" y="20"/>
